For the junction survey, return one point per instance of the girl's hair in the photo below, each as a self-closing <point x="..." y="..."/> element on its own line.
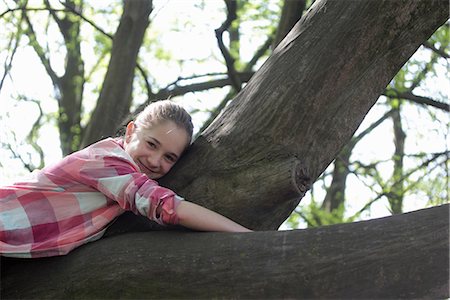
<point x="165" y="110"/>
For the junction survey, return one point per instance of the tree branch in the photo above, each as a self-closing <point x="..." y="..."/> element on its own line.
<point x="41" y="54"/>
<point x="229" y="60"/>
<point x="248" y="68"/>
<point x="403" y="256"/>
<point x="10" y="10"/>
<point x="202" y="86"/>
<point x="95" y="26"/>
<point x="52" y="12"/>
<point x="290" y="14"/>
<point x="16" y="40"/>
<point x="438" y="51"/>
<point x="190" y="88"/>
<point x="392" y="93"/>
<point x="77" y="13"/>
<point x="72" y="10"/>
<point x="403" y="177"/>
<point x="259" y="53"/>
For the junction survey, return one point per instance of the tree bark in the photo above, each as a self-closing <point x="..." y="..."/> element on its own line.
<point x="290" y="121"/>
<point x="404" y="256"/>
<point x="396" y="192"/>
<point x="290" y="14"/>
<point x="71" y="83"/>
<point x="114" y="102"/>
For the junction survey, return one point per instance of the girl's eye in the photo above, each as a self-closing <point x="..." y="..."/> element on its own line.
<point x="151" y="145"/>
<point x="170" y="159"/>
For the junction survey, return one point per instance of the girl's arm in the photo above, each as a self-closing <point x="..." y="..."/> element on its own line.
<point x="197" y="217"/>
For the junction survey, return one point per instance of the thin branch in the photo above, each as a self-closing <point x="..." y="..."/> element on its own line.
<point x="75" y="12"/>
<point x="259" y="53"/>
<point x="217" y="111"/>
<point x="27" y="166"/>
<point x="372" y="126"/>
<point x="195" y="76"/>
<point x="16" y="39"/>
<point x="229" y="60"/>
<point x="148" y="87"/>
<point x="191" y="88"/>
<point x="404" y="176"/>
<point x="138" y="66"/>
<point x="11" y="10"/>
<point x="54" y="15"/>
<point x="195" y="87"/>
<point x="41" y="53"/>
<point x="421" y="75"/>
<point x="436" y="50"/>
<point x="31" y="138"/>
<point x="249" y="66"/>
<point x="407" y="95"/>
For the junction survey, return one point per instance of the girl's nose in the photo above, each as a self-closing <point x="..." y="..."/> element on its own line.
<point x="154" y="161"/>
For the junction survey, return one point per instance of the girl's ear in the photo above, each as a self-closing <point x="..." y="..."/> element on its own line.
<point x="129" y="132"/>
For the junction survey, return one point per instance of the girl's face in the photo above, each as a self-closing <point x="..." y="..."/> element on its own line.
<point x="155" y="150"/>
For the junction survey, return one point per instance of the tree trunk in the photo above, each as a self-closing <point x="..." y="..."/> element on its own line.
<point x="71" y="83"/>
<point x="114" y="102"/>
<point x="405" y="256"/>
<point x="335" y="196"/>
<point x="396" y="192"/>
<point x="256" y="161"/>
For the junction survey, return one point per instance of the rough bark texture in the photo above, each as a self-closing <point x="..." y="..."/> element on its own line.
<point x="405" y="256"/>
<point x="115" y="97"/>
<point x="290" y="14"/>
<point x="256" y="161"/>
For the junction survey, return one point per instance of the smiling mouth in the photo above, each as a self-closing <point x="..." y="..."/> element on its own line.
<point x="145" y="169"/>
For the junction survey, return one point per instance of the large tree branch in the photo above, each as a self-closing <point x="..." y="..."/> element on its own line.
<point x="405" y="256"/>
<point x="302" y="107"/>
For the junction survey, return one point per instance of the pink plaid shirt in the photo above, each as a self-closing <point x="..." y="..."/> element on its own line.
<point x="72" y="202"/>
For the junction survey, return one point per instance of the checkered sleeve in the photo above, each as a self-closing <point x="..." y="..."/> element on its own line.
<point x="109" y="169"/>
<point x="70" y="203"/>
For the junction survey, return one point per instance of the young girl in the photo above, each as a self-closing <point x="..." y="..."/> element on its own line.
<point x="72" y="202"/>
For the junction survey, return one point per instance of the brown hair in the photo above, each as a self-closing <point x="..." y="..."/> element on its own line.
<point x="165" y="110"/>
